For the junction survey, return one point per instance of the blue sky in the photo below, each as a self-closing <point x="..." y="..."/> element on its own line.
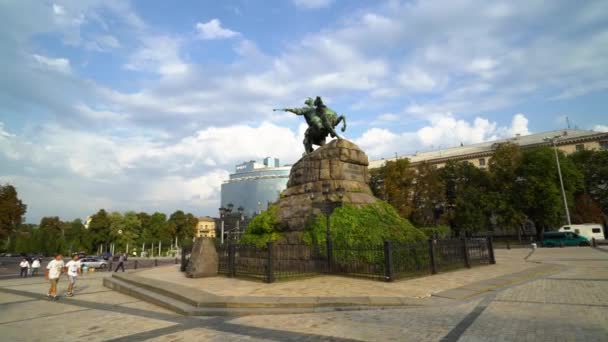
<point x="148" y="105"/>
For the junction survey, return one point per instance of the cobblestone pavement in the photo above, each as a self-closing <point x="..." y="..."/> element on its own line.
<point x="571" y="305"/>
<point x="508" y="261"/>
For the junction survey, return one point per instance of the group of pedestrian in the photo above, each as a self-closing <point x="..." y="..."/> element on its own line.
<point x="29" y="267"/>
<point x="56" y="268"/>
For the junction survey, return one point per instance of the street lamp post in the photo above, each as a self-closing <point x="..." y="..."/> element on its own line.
<point x="240" y="210"/>
<point x="223" y="213"/>
<point x="559" y="172"/>
<point x="327" y="207"/>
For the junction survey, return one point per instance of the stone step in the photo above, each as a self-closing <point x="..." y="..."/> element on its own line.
<point x="153" y="297"/>
<point x="188" y="295"/>
<point x="150" y="295"/>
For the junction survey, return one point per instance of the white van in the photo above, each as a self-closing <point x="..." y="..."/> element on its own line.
<point x="588" y="230"/>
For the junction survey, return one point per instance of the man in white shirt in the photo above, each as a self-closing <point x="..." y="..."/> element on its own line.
<point x="25" y="266"/>
<point x="53" y="271"/>
<point x="35" y="266"/>
<point x="73" y="267"/>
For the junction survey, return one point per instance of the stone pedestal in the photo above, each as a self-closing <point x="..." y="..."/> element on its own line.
<point x="203" y="260"/>
<point x="339" y="163"/>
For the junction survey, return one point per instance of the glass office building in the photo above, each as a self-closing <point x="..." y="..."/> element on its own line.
<point x="254" y="185"/>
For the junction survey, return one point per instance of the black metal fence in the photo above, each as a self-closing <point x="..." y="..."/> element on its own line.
<point x="388" y="262"/>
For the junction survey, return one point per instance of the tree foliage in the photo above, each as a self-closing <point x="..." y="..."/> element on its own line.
<point x="12" y="210"/>
<point x="594" y="167"/>
<point x="263" y="228"/>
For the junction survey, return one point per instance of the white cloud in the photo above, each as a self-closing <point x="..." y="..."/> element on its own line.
<point x="213" y="30"/>
<point x="388" y="117"/>
<point x="58" y="9"/>
<point x="600" y="128"/>
<point x="442" y="131"/>
<point x="132" y="171"/>
<point x="519" y="125"/>
<point x="160" y="54"/>
<point x="56" y="64"/>
<point x="102" y="43"/>
<point x="4" y="133"/>
<point x="416" y="79"/>
<point x="312" y="4"/>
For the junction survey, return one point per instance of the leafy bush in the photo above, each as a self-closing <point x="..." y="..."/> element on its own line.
<point x="442" y="232"/>
<point x="369" y="225"/>
<point x="263" y="228"/>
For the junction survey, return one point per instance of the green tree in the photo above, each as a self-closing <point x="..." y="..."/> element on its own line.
<point x="24" y="239"/>
<point x="124" y="230"/>
<point x="538" y="189"/>
<point x="12" y="211"/>
<point x="428" y="194"/>
<point x="183" y="224"/>
<point x="52" y="235"/>
<point x="76" y="236"/>
<point x="466" y="194"/>
<point x="502" y="196"/>
<point x="594" y="167"/>
<point x="156" y="229"/>
<point x="99" y="230"/>
<point x="393" y="183"/>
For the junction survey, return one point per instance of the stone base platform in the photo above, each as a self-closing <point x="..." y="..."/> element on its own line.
<point x="169" y="288"/>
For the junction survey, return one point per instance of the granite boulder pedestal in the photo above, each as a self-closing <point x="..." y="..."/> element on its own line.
<point x="204" y="260"/>
<point x="340" y="163"/>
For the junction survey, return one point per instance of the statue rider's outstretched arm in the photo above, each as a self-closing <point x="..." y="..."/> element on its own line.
<point x="297" y="111"/>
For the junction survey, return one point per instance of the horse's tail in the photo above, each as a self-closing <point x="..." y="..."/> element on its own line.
<point x="343" y="118"/>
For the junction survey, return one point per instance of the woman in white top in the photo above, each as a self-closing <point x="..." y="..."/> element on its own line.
<point x="25" y="266"/>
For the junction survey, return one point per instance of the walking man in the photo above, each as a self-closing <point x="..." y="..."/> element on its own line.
<point x="25" y="266"/>
<point x="73" y="267"/>
<point x="121" y="263"/>
<point x="52" y="273"/>
<point x="35" y="266"/>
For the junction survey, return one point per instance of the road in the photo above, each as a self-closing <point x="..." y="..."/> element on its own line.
<point x="570" y="304"/>
<point x="9" y="267"/>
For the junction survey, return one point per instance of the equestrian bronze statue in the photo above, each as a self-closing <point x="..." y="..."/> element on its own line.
<point x="321" y="121"/>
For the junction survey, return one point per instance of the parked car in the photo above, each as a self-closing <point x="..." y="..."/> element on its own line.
<point x="93" y="262"/>
<point x="556" y="239"/>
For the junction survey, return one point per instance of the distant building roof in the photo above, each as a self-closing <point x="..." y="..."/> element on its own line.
<point x="206" y="219"/>
<point x="537" y="139"/>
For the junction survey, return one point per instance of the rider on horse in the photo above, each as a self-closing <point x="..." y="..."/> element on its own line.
<point x="321" y="122"/>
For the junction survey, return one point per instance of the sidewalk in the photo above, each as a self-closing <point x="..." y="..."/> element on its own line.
<point x="508" y="262"/>
<point x="169" y="288"/>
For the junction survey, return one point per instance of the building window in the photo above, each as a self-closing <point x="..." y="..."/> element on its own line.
<point x="596" y="230"/>
<point x="580" y="147"/>
<point x="482" y="162"/>
<point x="604" y="145"/>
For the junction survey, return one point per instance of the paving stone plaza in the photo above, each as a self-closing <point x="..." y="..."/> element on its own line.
<point x="568" y="302"/>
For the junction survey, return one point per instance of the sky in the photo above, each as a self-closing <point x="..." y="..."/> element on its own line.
<point x="149" y="105"/>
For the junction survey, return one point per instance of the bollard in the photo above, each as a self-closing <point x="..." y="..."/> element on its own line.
<point x="270" y="262"/>
<point x="593" y="242"/>
<point x="135" y="266"/>
<point x="561" y="244"/>
<point x="508" y="245"/>
<point x="110" y="266"/>
<point x="388" y="264"/>
<point x="155" y="262"/>
<point x="176" y="261"/>
<point x="465" y="253"/>
<point x="491" y="250"/>
<point x="432" y="257"/>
